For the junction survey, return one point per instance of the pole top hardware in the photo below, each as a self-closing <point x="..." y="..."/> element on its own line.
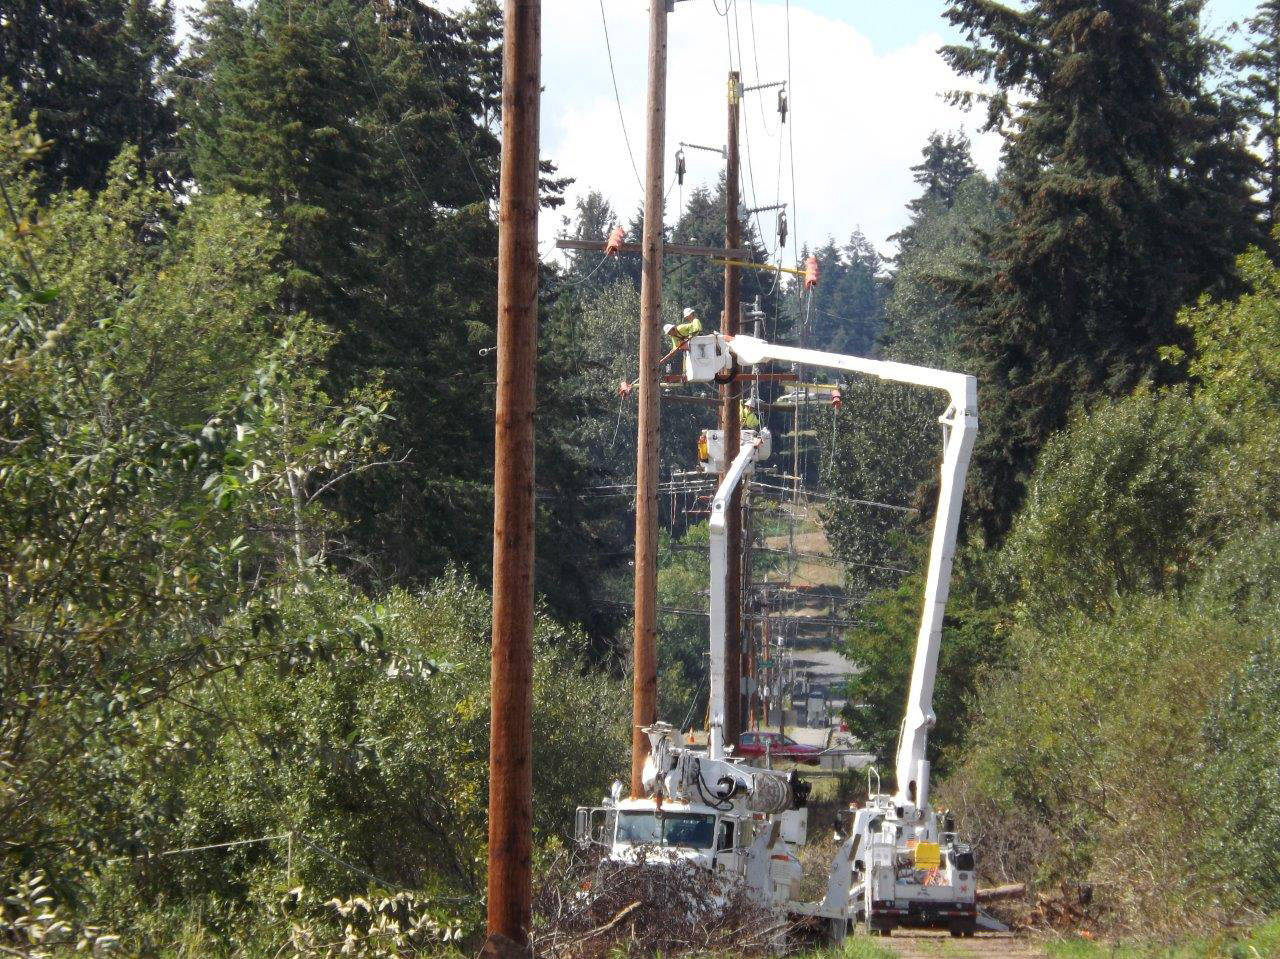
<point x="722" y="151"/>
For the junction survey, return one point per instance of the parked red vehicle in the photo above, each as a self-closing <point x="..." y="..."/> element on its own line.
<point x="753" y="745"/>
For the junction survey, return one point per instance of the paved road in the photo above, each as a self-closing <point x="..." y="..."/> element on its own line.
<point x="910" y="944"/>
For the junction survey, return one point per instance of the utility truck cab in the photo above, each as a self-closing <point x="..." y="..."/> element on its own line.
<point x="738" y="822"/>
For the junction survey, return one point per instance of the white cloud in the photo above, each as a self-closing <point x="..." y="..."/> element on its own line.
<point x="860" y="118"/>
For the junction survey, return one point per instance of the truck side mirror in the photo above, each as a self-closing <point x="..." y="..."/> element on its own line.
<point x="582" y="826"/>
<point x="726" y="836"/>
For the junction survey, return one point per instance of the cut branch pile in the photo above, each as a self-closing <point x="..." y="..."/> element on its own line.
<point x="585" y="908"/>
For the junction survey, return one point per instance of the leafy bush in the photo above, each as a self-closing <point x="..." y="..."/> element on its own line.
<point x="159" y="424"/>
<point x="380" y="759"/>
<point x="1242" y="782"/>
<point x="1096" y="729"/>
<point x="1112" y="508"/>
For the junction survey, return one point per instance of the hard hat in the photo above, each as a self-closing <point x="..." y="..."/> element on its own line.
<point x="688" y="312"/>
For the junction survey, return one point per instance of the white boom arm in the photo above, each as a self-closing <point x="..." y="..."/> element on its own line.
<point x="960" y="427"/>
<point x="719" y="565"/>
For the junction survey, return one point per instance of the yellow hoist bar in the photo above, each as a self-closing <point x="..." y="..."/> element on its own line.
<point x="768" y="267"/>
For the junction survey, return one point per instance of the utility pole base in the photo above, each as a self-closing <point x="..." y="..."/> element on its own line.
<point x="498" y="946"/>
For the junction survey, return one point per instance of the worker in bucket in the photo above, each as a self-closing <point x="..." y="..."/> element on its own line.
<point x="688" y="326"/>
<point x="749" y="414"/>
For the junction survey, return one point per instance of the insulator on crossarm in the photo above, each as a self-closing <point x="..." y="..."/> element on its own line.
<point x="680" y="167"/>
<point x="811" y="273"/>
<point x="782" y="228"/>
<point x="782" y="104"/>
<point x="614" y="243"/>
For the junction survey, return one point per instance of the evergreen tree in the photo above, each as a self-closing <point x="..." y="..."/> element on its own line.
<point x="697" y="282"/>
<point x="844" y="312"/>
<point x="921" y="316"/>
<point x="1129" y="190"/>
<point x="93" y="73"/>
<point x="947" y="163"/>
<point x="587" y="271"/>
<point x="1258" y="88"/>
<point x="367" y="129"/>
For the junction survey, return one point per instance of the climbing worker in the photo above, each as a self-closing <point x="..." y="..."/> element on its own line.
<point x="689" y="326"/>
<point x="748" y="415"/>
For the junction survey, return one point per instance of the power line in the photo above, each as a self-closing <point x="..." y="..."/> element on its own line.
<point x="795" y="207"/>
<point x="617" y="99"/>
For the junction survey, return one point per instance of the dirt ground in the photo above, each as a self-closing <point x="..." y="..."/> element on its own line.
<point x="913" y="944"/>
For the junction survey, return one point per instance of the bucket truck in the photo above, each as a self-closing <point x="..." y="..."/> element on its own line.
<point x="906" y="865"/>
<point x="901" y="862"/>
<point x="703" y="809"/>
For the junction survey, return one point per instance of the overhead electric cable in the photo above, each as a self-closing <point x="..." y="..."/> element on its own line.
<point x="791" y="140"/>
<point x="617" y="99"/>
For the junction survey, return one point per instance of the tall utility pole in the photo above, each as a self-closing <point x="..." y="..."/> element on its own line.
<point x="511" y="660"/>
<point x="730" y="397"/>
<point x="645" y="666"/>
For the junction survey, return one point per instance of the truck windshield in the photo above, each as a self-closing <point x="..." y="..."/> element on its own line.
<point x="689" y="830"/>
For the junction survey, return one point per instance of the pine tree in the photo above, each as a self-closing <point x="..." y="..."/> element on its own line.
<point x="947" y="163"/>
<point x="93" y="72"/>
<point x="1258" y="87"/>
<point x="367" y="127"/>
<point x="1128" y="187"/>
<point x="845" y="311"/>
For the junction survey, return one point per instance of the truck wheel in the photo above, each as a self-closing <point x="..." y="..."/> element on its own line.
<point x="962" y="928"/>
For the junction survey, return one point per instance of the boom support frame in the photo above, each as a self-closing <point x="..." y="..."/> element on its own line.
<point x="959" y="428"/>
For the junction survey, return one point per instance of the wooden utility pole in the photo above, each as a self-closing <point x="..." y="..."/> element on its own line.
<point x="511" y="660"/>
<point x="645" y="663"/>
<point x="730" y="397"/>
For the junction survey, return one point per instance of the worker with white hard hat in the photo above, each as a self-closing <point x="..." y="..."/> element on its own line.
<point x="689" y="326"/>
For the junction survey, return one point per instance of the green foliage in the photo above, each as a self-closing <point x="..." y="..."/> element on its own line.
<point x="1138" y="701"/>
<point x="698" y="283"/>
<point x="1235" y="361"/>
<point x="973" y="649"/>
<point x="946" y="165"/>
<point x="844" y="312"/>
<point x="882" y="454"/>
<point x="93" y="74"/>
<point x="1129" y="193"/>
<point x="144" y="481"/>
<point x="1242" y="783"/>
<point x="1253" y="943"/>
<point x="1112" y="509"/>
<point x="684" y="572"/>
<point x="365" y="128"/>
<point x="1096" y="728"/>
<point x="390" y="743"/>
<point x="1257" y="85"/>
<point x="921" y="317"/>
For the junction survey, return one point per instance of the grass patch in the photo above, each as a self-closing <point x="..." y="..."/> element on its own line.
<point x="1261" y="942"/>
<point x="856" y="946"/>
